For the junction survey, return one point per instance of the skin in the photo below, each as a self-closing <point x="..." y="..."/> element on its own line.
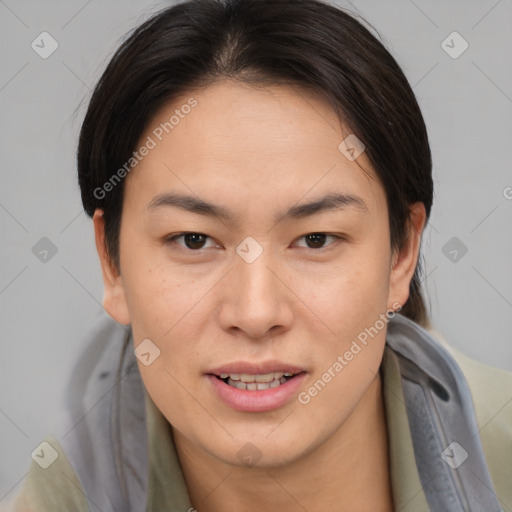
<point x="257" y="152"/>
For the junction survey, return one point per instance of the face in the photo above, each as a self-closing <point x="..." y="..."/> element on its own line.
<point x="251" y="247"/>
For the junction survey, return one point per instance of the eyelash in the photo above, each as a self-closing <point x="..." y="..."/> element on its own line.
<point x="172" y="240"/>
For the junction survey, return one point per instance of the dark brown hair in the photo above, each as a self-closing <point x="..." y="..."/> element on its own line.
<point x="307" y="43"/>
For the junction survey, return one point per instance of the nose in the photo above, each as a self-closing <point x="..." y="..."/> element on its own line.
<point x="257" y="300"/>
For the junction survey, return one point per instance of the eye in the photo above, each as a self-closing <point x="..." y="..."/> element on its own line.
<point x="196" y="241"/>
<point x="193" y="241"/>
<point x="317" y="240"/>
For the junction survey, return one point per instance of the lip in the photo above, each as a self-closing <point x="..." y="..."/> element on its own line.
<point x="256" y="401"/>
<point x="256" y="368"/>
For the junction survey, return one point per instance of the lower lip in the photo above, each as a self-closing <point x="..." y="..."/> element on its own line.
<point x="257" y="401"/>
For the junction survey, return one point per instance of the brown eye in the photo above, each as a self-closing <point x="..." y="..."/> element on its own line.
<point x="192" y="241"/>
<point x="317" y="240"/>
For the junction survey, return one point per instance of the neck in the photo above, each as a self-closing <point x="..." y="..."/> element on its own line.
<point x="349" y="471"/>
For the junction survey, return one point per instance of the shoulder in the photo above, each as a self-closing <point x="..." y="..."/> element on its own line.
<point x="491" y="390"/>
<point x="51" y="484"/>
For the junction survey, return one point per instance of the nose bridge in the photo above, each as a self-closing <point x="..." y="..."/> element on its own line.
<point x="257" y="302"/>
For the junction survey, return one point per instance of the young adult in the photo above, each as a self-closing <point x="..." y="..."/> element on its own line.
<point x="259" y="177"/>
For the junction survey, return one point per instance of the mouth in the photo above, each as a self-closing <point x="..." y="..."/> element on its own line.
<point x="256" y="387"/>
<point x="258" y="382"/>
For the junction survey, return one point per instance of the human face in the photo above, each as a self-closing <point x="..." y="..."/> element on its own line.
<point x="251" y="292"/>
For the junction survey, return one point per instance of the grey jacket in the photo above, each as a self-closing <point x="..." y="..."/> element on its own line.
<point x="106" y="442"/>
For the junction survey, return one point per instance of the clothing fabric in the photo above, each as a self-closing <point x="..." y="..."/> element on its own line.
<point x="450" y="445"/>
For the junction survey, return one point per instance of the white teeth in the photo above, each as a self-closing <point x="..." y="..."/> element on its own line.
<point x="260" y="378"/>
<point x="237" y="384"/>
<point x="257" y="386"/>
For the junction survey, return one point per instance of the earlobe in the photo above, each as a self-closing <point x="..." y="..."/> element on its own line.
<point x="405" y="259"/>
<point x="114" y="298"/>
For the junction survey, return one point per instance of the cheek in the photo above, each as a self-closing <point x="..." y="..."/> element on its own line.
<point x="350" y="295"/>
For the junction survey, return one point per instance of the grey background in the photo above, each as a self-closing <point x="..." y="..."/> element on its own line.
<point x="46" y="306"/>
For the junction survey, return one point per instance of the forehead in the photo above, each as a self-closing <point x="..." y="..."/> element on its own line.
<point x="257" y="144"/>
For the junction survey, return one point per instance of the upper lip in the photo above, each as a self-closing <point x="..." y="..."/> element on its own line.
<point x="261" y="368"/>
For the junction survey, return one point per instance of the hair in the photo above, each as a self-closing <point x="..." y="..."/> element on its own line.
<point x="307" y="43"/>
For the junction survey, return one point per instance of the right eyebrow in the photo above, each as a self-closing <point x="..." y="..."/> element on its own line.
<point x="330" y="202"/>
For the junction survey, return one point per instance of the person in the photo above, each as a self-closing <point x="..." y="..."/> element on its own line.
<point x="259" y="177"/>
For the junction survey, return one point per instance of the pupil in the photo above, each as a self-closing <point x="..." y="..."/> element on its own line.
<point x="318" y="239"/>
<point x="194" y="239"/>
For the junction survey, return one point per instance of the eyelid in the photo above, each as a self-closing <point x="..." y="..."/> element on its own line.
<point x="171" y="239"/>
<point x="326" y="247"/>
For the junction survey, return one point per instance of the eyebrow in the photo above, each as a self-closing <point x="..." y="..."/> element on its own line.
<point x="330" y="202"/>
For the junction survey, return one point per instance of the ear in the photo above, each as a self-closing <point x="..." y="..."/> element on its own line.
<point x="405" y="259"/>
<point x="114" y="298"/>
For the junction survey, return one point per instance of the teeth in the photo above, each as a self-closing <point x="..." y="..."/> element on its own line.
<point x="257" y="386"/>
<point x="261" y="378"/>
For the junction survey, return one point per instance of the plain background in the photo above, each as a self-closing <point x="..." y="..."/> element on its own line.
<point x="45" y="307"/>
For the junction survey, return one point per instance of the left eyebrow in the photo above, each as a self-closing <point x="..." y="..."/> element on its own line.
<point x="326" y="203"/>
<point x="195" y="205"/>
